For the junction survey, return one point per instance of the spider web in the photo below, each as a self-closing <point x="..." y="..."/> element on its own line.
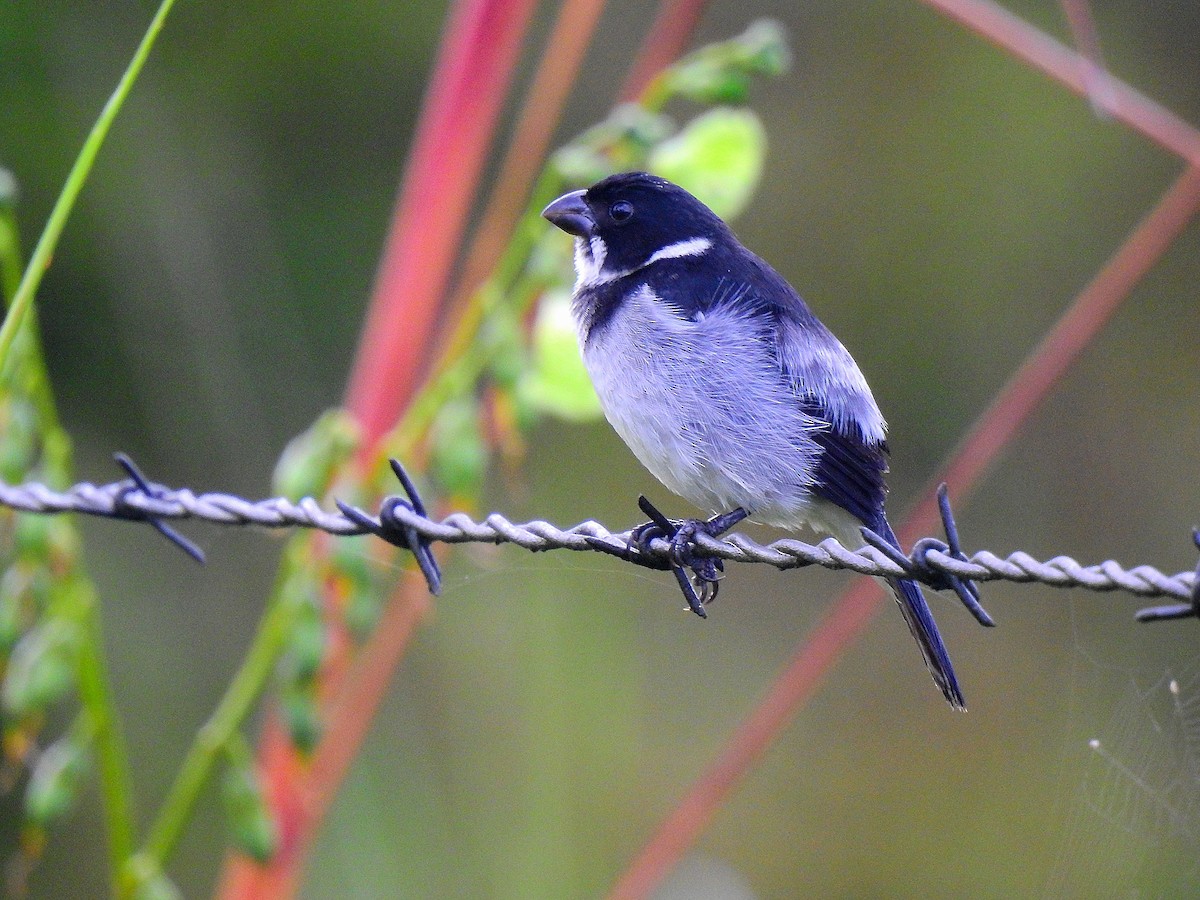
<point x="1133" y="823"/>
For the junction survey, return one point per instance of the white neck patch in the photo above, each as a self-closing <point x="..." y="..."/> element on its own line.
<point x="591" y="253"/>
<point x="696" y="246"/>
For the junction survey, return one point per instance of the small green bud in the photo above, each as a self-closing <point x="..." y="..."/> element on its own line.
<point x="720" y="72"/>
<point x="253" y="828"/>
<point x="55" y="781"/>
<point x="41" y="669"/>
<point x="305" y="649"/>
<point x="765" y="48"/>
<point x="303" y="718"/>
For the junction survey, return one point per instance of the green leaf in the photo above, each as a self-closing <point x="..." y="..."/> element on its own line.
<point x="459" y="457"/>
<point x="310" y="459"/>
<point x="303" y="718"/>
<point x="557" y="383"/>
<point x="721" y="72"/>
<point x="718" y="157"/>
<point x="305" y="648"/>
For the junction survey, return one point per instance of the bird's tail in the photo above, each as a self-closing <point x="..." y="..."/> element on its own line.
<point x="920" y="622"/>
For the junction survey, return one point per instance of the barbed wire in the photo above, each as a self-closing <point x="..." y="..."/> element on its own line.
<point x="406" y="524"/>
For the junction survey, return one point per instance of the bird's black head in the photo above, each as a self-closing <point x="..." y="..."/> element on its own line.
<point x="631" y="220"/>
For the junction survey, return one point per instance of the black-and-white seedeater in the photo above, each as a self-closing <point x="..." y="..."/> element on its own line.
<point x="722" y="381"/>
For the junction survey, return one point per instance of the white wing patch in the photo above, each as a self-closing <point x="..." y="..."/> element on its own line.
<point x="821" y="366"/>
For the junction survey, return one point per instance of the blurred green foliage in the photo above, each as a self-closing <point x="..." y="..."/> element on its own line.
<point x="936" y="202"/>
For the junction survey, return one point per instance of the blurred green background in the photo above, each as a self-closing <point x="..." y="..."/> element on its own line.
<point x="936" y="202"/>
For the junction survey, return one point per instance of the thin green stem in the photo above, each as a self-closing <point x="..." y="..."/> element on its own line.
<point x="34" y="361"/>
<point x="212" y="739"/>
<point x="112" y="760"/>
<point x="94" y="692"/>
<point x="10" y="254"/>
<point x="42" y="253"/>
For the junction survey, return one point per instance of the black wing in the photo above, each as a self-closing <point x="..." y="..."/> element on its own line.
<point x="850" y="470"/>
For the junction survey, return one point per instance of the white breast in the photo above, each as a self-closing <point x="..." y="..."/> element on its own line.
<point x="704" y="406"/>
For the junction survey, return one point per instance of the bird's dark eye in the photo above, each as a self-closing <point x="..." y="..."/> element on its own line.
<point x="621" y="211"/>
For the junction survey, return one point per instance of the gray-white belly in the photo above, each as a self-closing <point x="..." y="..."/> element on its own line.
<point x="705" y="407"/>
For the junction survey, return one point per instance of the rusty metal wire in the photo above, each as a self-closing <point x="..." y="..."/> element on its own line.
<point x="406" y="524"/>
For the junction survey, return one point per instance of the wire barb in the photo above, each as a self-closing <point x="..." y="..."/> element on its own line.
<point x="139" y="484"/>
<point x="919" y="566"/>
<point x="392" y="528"/>
<point x="1177" y="610"/>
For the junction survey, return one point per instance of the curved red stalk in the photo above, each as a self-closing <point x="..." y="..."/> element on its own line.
<point x="856" y="609"/>
<point x="526" y="154"/>
<point x="1016" y="36"/>
<point x="1092" y="308"/>
<point x="1087" y="41"/>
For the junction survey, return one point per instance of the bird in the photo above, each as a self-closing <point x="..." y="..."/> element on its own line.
<point x="723" y="382"/>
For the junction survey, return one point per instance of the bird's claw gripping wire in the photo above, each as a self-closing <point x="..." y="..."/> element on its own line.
<point x="391" y="528"/>
<point x="1176" y="610"/>
<point x="138" y="484"/>
<point x="919" y="567"/>
<point x="701" y="585"/>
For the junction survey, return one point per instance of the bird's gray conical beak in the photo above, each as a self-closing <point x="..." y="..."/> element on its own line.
<point x="570" y="213"/>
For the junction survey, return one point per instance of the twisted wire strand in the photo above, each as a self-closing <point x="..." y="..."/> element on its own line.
<point x="126" y="500"/>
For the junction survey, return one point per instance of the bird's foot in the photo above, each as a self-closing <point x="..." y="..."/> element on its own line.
<point x="701" y="585"/>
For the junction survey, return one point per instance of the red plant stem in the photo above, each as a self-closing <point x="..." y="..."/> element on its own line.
<point x="313" y="787"/>
<point x="467" y="90"/>
<point x="1110" y="94"/>
<point x="471" y="80"/>
<point x="1087" y="40"/>
<point x="559" y="66"/>
<point x="352" y="710"/>
<point x="855" y="610"/>
<point x="668" y="37"/>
